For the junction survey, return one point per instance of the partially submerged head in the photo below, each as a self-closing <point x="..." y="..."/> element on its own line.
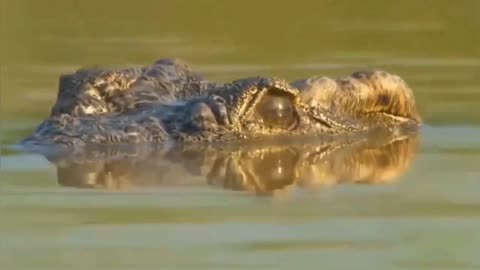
<point x="109" y="108"/>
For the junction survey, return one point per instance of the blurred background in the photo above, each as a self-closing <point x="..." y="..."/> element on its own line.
<point x="428" y="220"/>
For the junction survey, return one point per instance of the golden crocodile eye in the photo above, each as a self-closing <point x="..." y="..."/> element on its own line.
<point x="276" y="111"/>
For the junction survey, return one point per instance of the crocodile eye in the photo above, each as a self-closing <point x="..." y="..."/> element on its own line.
<point x="276" y="111"/>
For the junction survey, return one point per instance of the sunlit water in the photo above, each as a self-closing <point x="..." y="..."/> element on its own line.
<point x="184" y="210"/>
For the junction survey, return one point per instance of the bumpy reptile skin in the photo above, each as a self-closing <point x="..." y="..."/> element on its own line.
<point x="167" y="101"/>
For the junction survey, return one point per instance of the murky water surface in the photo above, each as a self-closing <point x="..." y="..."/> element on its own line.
<point x="407" y="203"/>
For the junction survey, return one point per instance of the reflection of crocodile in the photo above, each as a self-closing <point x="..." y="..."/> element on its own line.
<point x="169" y="102"/>
<point x="261" y="169"/>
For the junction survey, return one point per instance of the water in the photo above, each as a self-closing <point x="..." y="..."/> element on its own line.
<point x="425" y="216"/>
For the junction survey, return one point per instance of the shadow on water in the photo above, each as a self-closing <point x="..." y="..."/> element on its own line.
<point x="261" y="168"/>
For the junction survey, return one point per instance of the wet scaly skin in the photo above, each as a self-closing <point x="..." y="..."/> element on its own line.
<point x="168" y="102"/>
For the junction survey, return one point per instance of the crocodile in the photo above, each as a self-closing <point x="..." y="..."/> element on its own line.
<point x="261" y="169"/>
<point x="168" y="102"/>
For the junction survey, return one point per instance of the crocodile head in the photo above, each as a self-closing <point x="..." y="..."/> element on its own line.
<point x="244" y="109"/>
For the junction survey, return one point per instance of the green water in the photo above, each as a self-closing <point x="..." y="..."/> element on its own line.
<point x="427" y="218"/>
